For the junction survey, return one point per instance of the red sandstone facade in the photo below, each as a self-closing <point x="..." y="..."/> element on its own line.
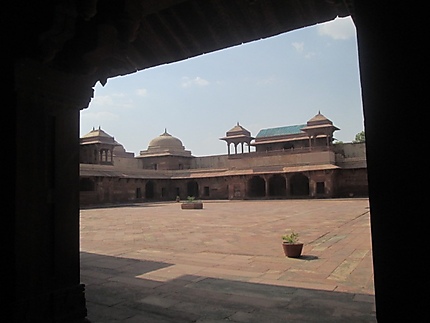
<point x="297" y="161"/>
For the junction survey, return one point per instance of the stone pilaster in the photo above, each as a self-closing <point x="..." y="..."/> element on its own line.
<point x="46" y="270"/>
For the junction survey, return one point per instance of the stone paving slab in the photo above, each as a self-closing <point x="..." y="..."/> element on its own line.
<point x="157" y="263"/>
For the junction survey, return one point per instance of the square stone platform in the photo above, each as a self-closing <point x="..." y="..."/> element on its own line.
<point x="154" y="262"/>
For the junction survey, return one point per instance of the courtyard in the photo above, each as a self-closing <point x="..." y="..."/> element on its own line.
<point x="153" y="262"/>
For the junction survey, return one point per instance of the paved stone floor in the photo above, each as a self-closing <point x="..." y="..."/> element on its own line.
<point x="157" y="263"/>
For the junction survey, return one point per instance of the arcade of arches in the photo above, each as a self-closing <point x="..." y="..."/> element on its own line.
<point x="311" y="166"/>
<point x="281" y="186"/>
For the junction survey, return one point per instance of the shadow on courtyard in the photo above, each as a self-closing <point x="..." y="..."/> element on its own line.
<point x="116" y="292"/>
<point x="122" y="204"/>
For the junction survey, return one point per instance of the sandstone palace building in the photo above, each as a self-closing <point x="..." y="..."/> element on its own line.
<point x="296" y="161"/>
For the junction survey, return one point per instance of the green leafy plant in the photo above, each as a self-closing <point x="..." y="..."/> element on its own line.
<point x="290" y="238"/>
<point x="190" y="199"/>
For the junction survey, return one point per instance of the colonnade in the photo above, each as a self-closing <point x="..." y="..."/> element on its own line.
<point x="241" y="144"/>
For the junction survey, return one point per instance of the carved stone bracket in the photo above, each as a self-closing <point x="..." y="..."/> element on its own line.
<point x="44" y="86"/>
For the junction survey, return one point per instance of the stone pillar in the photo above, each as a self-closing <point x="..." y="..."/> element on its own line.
<point x="97" y="154"/>
<point x="394" y="95"/>
<point x="230" y="190"/>
<point x="312" y="187"/>
<point x="329" y="183"/>
<point x="287" y="186"/>
<point x="46" y="266"/>
<point x="267" y="186"/>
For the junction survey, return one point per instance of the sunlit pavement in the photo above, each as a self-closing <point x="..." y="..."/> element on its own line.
<point x="154" y="262"/>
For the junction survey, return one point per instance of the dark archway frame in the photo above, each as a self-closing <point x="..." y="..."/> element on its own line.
<point x="59" y="51"/>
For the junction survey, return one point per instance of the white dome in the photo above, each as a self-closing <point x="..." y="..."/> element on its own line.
<point x="166" y="142"/>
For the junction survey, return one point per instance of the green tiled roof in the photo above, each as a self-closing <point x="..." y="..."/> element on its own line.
<point x="280" y="131"/>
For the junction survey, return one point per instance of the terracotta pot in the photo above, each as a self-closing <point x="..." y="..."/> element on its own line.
<point x="292" y="250"/>
<point x="192" y="205"/>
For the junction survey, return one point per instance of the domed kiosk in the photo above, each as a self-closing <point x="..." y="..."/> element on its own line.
<point x="98" y="147"/>
<point x="165" y="152"/>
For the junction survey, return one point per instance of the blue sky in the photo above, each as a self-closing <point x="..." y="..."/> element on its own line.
<point x="278" y="81"/>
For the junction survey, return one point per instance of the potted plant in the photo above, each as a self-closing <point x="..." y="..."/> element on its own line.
<point x="191" y="203"/>
<point x="292" y="248"/>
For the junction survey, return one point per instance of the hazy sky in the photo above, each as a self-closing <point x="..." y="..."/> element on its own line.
<point x="279" y="81"/>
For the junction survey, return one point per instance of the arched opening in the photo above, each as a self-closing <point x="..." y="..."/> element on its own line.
<point x="86" y="184"/>
<point x="299" y="185"/>
<point x="192" y="189"/>
<point x="239" y="148"/>
<point x="246" y="147"/>
<point x="231" y="148"/>
<point x="256" y="187"/>
<point x="277" y="186"/>
<point x="149" y="190"/>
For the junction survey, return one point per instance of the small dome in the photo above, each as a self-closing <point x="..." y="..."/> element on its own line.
<point x="166" y="142"/>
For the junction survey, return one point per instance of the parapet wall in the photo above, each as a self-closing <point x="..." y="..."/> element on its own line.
<point x="205" y="162"/>
<point x="254" y="159"/>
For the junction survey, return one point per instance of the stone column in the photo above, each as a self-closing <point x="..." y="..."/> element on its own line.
<point x="394" y="95"/>
<point x="267" y="186"/>
<point x="287" y="186"/>
<point x="46" y="266"/>
<point x="312" y="187"/>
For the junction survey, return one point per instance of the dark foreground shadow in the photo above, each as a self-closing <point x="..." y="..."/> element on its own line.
<point x="119" y="205"/>
<point x="116" y="293"/>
